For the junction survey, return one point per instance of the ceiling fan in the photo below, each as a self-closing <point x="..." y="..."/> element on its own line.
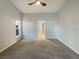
<point x="38" y="2"/>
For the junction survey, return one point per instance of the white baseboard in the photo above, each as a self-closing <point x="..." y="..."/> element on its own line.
<point x="8" y="46"/>
<point x="52" y="37"/>
<point x="77" y="52"/>
<point x="69" y="46"/>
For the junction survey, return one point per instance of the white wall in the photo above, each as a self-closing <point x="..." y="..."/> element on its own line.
<point x="69" y="24"/>
<point x="30" y="24"/>
<point x="8" y="16"/>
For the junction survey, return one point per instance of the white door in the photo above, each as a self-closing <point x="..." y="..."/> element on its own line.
<point x="41" y="30"/>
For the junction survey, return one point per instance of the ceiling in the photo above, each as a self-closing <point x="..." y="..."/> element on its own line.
<point x="52" y="6"/>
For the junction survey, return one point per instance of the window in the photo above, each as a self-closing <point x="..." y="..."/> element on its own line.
<point x="17" y="28"/>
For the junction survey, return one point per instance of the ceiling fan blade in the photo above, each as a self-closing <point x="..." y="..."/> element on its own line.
<point x="32" y="3"/>
<point x="43" y="4"/>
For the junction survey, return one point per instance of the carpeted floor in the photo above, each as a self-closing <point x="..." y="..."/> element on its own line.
<point x="38" y="49"/>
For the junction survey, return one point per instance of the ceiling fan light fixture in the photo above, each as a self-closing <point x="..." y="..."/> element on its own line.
<point x="38" y="3"/>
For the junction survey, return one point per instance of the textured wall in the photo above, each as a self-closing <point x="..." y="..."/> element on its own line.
<point x="69" y="24"/>
<point x="8" y="16"/>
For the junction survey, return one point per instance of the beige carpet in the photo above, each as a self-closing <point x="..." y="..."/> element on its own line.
<point x="39" y="49"/>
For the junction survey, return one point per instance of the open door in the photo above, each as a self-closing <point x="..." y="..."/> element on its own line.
<point x="41" y="30"/>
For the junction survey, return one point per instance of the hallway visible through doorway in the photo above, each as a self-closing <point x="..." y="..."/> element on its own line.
<point x="41" y="30"/>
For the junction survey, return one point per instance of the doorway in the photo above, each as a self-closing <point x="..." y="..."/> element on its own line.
<point x="41" y="29"/>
